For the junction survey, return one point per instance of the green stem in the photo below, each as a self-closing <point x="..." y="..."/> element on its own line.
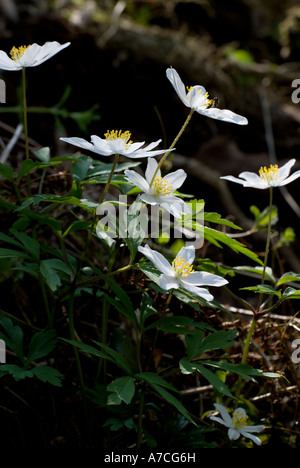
<point x="73" y="337"/>
<point x="25" y="126"/>
<point x="110" y="178"/>
<point x="267" y="246"/>
<point x="248" y="340"/>
<point x="46" y="302"/>
<point x="254" y="319"/>
<point x="140" y="419"/>
<point x="158" y="327"/>
<point x="172" y="145"/>
<point x="25" y="112"/>
<point x="142" y="399"/>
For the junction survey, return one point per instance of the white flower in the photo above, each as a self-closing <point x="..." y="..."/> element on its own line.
<point x="181" y="272"/>
<point x="159" y="191"/>
<point x="197" y="98"/>
<point x="237" y="424"/>
<point x="116" y="142"/>
<point x="29" y="56"/>
<point x="268" y="177"/>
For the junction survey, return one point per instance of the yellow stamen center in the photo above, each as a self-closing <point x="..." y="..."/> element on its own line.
<point x="206" y="101"/>
<point x="17" y="52"/>
<point x="161" y="187"/>
<point x="238" y="419"/>
<point x="269" y="174"/>
<point x="118" y="135"/>
<point x="181" y="268"/>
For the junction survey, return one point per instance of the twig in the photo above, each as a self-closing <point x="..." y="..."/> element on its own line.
<point x="6" y="152"/>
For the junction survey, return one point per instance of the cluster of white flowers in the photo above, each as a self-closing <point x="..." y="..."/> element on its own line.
<point x="159" y="190"/>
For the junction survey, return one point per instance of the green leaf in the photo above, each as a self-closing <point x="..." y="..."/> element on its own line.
<point x="77" y="226"/>
<point x="17" y="372"/>
<point x="239" y="55"/>
<point x="80" y="168"/>
<point x="10" y="240"/>
<point x="288" y="277"/>
<point x="173" y="401"/>
<point x="43" y="154"/>
<point x="146" y="309"/>
<point x="41" y="344"/>
<point x="154" y="379"/>
<point x="177" y="324"/>
<point x="262" y="289"/>
<point x="118" y="359"/>
<point x="216" y="218"/>
<point x="257" y="271"/>
<point x="10" y="253"/>
<point x="262" y="217"/>
<point x="124" y="310"/>
<point x="7" y="171"/>
<point x="123" y="388"/>
<point x="136" y="227"/>
<point x="218" y="238"/>
<point x="291" y="293"/>
<point x="218" y="339"/>
<point x="13" y="337"/>
<point x="88" y="349"/>
<point x="123" y="297"/>
<point x="31" y="246"/>
<point x="47" y="374"/>
<point x="217" y="383"/>
<point x="186" y="366"/>
<point x="48" y="270"/>
<point x="197" y="344"/>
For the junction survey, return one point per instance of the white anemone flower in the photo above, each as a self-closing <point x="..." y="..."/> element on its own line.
<point x="268" y="177"/>
<point x="158" y="190"/>
<point x="29" y="56"/>
<point x="237" y="424"/>
<point x="181" y="273"/>
<point x="116" y="142"/>
<point x="197" y="98"/>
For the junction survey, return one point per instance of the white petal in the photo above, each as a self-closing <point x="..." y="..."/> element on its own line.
<point x="178" y="85"/>
<point x="142" y="153"/>
<point x="150" y="170"/>
<point x="219" y="420"/>
<point x="200" y="292"/>
<point x="204" y="278"/>
<point x="248" y="179"/>
<point x="223" y="114"/>
<point x="175" y="206"/>
<point x="152" y="145"/>
<point x="257" y="428"/>
<point x="286" y="169"/>
<point x="6" y="63"/>
<point x="137" y="180"/>
<point x="290" y="179"/>
<point x="197" y="97"/>
<point x="255" y="439"/>
<point x="133" y="147"/>
<point x="98" y="141"/>
<point x="176" y="178"/>
<point x="150" y="199"/>
<point x="188" y="253"/>
<point x="168" y="282"/>
<point x="224" y="413"/>
<point x="81" y="143"/>
<point x="233" y="434"/>
<point x="233" y="179"/>
<point x="158" y="260"/>
<point x="36" y="54"/>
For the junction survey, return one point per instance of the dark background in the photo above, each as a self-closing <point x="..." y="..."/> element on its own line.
<point x="245" y="53"/>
